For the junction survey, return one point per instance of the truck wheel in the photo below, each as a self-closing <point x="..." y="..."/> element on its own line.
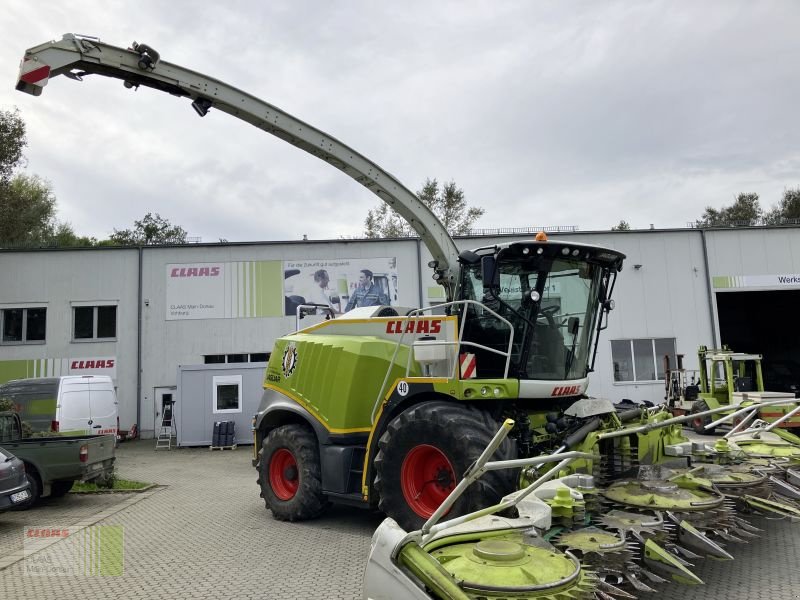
<point x="699" y="423"/>
<point x="60" y="488"/>
<point x="290" y="475"/>
<point x="423" y="454"/>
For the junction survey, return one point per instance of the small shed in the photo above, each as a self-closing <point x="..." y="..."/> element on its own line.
<point x="217" y="392"/>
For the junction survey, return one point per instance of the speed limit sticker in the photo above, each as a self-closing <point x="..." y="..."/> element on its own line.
<point x="402" y="388"/>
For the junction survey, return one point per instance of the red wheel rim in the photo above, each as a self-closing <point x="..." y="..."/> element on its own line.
<point x="426" y="478"/>
<point x="698" y="423"/>
<point x="284" y="478"/>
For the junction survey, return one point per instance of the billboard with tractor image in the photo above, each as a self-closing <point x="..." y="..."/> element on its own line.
<point x="273" y="288"/>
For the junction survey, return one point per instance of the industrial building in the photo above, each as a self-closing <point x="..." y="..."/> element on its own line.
<point x="141" y="314"/>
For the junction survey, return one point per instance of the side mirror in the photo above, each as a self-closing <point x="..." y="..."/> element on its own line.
<point x="573" y="324"/>
<point x="489" y="272"/>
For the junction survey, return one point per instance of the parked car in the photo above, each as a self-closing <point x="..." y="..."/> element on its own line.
<point x="782" y="375"/>
<point x="54" y="463"/>
<point x="69" y="405"/>
<point x="14" y="486"/>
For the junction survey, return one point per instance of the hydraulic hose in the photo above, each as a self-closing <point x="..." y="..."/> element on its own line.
<point x="629" y="415"/>
<point x="576" y="437"/>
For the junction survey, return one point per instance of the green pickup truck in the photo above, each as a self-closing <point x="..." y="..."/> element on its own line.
<point x="53" y="464"/>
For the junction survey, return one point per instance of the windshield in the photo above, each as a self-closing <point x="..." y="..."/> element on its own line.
<point x="552" y="304"/>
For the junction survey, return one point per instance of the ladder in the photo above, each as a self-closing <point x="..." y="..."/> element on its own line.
<point x="167" y="431"/>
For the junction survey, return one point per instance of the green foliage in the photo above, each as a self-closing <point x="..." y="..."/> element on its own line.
<point x="787" y="209"/>
<point x="621" y="226"/>
<point x="150" y="230"/>
<point x="27" y="211"/>
<point x="745" y="211"/>
<point x="12" y="142"/>
<point x="65" y="237"/>
<point x="112" y="483"/>
<point x="7" y="404"/>
<point x="447" y="203"/>
<point x="27" y="202"/>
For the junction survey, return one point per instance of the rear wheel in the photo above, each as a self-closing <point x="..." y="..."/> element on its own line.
<point x="289" y="474"/>
<point x="60" y="488"/>
<point x="424" y="453"/>
<point x="699" y="423"/>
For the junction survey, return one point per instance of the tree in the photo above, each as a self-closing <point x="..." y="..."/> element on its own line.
<point x="621" y="226"/>
<point x="787" y="210"/>
<point x="65" y="237"/>
<point x="27" y="211"/>
<point x="12" y="142"/>
<point x="150" y="230"/>
<point x="27" y="202"/>
<point x="745" y="211"/>
<point x="447" y="203"/>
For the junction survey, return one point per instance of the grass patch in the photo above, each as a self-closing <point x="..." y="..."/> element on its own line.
<point x="119" y="484"/>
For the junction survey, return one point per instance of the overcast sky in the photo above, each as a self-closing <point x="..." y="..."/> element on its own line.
<point x="545" y="113"/>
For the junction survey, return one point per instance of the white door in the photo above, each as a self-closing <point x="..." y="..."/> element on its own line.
<point x="103" y="406"/>
<point x="75" y="416"/>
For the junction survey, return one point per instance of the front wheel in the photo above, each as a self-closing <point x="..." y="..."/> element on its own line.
<point x="423" y="454"/>
<point x="290" y="475"/>
<point x="699" y="423"/>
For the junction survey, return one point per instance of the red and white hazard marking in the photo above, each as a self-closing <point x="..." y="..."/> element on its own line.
<point x="468" y="366"/>
<point x="33" y="72"/>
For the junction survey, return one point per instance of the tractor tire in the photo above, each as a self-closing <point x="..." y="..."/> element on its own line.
<point x="699" y="423"/>
<point x="423" y="454"/>
<point x="290" y="475"/>
<point x="60" y="488"/>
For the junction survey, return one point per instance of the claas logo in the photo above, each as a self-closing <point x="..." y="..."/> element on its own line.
<point x="194" y="272"/>
<point x="415" y="326"/>
<point x="107" y="363"/>
<point x="566" y="390"/>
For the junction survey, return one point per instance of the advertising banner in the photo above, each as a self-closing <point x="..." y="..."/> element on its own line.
<point x="56" y="367"/>
<point x="341" y="284"/>
<point x="228" y="290"/>
<point x="270" y="288"/>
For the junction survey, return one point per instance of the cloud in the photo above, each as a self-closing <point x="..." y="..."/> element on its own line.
<point x="544" y="113"/>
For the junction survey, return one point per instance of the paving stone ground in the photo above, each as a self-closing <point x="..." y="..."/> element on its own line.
<point x="206" y="534"/>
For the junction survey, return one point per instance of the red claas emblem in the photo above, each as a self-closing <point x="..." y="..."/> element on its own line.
<point x="566" y="390"/>
<point x="415" y="326"/>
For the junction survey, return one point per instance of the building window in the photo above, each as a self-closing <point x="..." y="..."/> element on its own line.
<point x="215" y="359"/>
<point x="94" y="322"/>
<point x="227" y="394"/>
<point x="23" y="325"/>
<point x="641" y="359"/>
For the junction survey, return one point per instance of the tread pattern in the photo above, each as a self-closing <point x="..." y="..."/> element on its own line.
<point x="309" y="501"/>
<point x="461" y="432"/>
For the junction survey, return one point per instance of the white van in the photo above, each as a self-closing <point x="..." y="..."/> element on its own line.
<point x="69" y="405"/>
